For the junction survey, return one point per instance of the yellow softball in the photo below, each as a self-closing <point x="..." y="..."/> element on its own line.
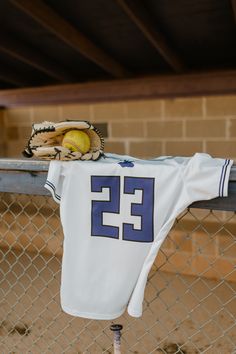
<point x="76" y="140"/>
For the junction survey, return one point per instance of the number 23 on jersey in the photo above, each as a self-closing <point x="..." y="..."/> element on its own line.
<point x="113" y="205"/>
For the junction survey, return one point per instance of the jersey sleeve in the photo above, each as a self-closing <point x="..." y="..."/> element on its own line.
<point x="55" y="178"/>
<point x="205" y="178"/>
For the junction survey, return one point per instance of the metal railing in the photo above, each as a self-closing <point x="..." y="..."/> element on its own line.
<point x="190" y="298"/>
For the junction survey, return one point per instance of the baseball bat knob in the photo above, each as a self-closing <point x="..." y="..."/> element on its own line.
<point x="116" y="327"/>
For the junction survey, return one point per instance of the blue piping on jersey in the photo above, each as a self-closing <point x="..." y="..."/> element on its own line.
<point x="132" y="158"/>
<point x="222" y="177"/>
<point x="51" y="185"/>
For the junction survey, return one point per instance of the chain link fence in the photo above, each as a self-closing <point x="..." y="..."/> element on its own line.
<point x="190" y="298"/>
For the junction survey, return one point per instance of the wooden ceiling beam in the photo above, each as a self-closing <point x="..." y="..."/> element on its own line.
<point x="169" y="86"/>
<point x="12" y="77"/>
<point x="23" y="53"/>
<point x="63" y="30"/>
<point x="136" y="13"/>
<point x="233" y="3"/>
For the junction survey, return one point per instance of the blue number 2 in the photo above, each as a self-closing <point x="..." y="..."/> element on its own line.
<point x="110" y="206"/>
<point x="144" y="209"/>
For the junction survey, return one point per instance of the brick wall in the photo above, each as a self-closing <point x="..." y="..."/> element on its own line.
<point x="142" y="128"/>
<point x="150" y="128"/>
<point x="3" y="151"/>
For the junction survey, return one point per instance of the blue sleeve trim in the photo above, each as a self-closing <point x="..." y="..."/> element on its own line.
<point x="222" y="178"/>
<point x="53" y="188"/>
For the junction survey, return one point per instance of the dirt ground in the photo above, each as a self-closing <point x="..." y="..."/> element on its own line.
<point x="183" y="314"/>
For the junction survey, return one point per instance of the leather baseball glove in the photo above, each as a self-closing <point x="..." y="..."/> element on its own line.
<point x="46" y="138"/>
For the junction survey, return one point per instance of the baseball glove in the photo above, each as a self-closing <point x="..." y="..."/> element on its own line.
<point x="46" y="141"/>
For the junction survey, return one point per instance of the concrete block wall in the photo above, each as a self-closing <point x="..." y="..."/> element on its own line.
<point x="3" y="151"/>
<point x="144" y="128"/>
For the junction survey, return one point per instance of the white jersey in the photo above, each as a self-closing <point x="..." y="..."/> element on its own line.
<point x="115" y="213"/>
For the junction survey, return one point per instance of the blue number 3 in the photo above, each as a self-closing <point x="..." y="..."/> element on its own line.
<point x="144" y="209"/>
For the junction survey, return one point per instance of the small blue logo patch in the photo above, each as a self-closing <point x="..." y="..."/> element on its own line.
<point x="126" y="163"/>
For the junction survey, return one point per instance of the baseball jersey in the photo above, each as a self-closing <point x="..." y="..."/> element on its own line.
<point x="115" y="214"/>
